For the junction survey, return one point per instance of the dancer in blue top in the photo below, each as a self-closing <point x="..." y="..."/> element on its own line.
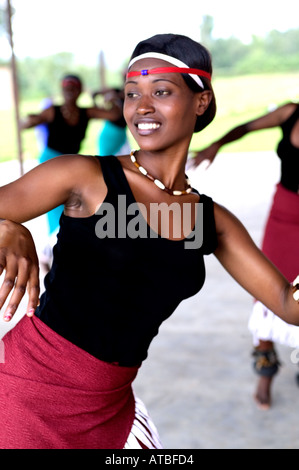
<point x="112" y="139"/>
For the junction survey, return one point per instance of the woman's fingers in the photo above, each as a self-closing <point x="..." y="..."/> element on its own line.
<point x="19" y="268"/>
<point x="7" y="286"/>
<point x="18" y="274"/>
<point x="33" y="290"/>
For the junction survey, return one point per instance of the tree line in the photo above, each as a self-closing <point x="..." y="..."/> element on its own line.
<point x="272" y="53"/>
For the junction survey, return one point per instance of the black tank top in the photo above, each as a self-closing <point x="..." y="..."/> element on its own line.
<point x="64" y="138"/>
<point x="110" y="295"/>
<point x="289" y="155"/>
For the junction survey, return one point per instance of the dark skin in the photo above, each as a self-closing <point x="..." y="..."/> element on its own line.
<point x="269" y="120"/>
<point x="160" y="111"/>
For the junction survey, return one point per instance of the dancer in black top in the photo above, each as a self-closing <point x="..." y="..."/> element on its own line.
<point x="130" y="248"/>
<point x="66" y="128"/>
<point x="67" y="123"/>
<point x="280" y="242"/>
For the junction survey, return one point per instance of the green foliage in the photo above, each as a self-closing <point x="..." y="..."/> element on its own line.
<point x="2" y="20"/>
<point x="248" y="78"/>
<point x="42" y="77"/>
<point x="276" y="52"/>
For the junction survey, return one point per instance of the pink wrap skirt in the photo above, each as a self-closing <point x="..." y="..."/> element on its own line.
<point x="281" y="238"/>
<point x="281" y="246"/>
<point x="53" y="395"/>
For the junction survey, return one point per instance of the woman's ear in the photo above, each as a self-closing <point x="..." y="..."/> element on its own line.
<point x="204" y="99"/>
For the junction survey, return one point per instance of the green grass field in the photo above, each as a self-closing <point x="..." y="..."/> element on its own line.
<point x="238" y="100"/>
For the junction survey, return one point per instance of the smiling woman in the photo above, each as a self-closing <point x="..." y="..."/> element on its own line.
<point x="173" y="61"/>
<point x="69" y="368"/>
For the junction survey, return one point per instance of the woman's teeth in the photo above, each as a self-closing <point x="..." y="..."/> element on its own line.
<point x="145" y="126"/>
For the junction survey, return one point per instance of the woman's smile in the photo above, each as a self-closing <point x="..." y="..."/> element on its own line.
<point x="147" y="127"/>
<point x="159" y="105"/>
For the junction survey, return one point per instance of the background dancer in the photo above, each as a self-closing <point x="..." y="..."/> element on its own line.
<point x="66" y="128"/>
<point x="280" y="241"/>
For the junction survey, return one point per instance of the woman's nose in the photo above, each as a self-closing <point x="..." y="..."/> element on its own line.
<point x="145" y="105"/>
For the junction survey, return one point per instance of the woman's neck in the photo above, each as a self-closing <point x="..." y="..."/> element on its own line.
<point x="168" y="167"/>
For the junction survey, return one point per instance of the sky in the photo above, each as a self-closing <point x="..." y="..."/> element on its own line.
<point x="85" y="27"/>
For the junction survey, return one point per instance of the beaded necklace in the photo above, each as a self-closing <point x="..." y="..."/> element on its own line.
<point x="157" y="182"/>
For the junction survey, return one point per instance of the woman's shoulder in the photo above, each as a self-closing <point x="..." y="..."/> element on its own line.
<point x="287" y="110"/>
<point x="72" y="165"/>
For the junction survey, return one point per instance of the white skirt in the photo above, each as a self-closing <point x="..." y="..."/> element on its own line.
<point x="266" y="326"/>
<point x="144" y="434"/>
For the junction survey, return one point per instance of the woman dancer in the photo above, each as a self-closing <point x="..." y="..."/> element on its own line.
<point x="66" y="128"/>
<point x="280" y="242"/>
<point x="130" y="248"/>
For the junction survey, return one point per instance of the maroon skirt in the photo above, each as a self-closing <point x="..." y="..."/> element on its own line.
<point x="281" y="246"/>
<point x="281" y="238"/>
<point x="53" y="395"/>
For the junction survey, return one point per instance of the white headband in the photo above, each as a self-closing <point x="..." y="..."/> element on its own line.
<point x="167" y="58"/>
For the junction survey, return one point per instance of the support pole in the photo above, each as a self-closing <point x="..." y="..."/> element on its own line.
<point x="102" y="70"/>
<point x="15" y="88"/>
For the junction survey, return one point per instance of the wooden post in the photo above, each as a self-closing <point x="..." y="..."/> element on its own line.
<point x="15" y="88"/>
<point x="102" y="71"/>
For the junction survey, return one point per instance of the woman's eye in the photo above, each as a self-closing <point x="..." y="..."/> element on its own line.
<point x="131" y="94"/>
<point x="162" y="92"/>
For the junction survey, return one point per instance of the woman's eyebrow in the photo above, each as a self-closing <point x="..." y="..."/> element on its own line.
<point x="135" y="82"/>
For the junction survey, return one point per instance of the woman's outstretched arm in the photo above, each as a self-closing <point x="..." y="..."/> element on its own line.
<point x="251" y="269"/>
<point x="272" y="119"/>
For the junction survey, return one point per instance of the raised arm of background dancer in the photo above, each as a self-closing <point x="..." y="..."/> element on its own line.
<point x="110" y="92"/>
<point x="251" y="269"/>
<point x="32" y="120"/>
<point x="112" y="113"/>
<point x="272" y="119"/>
<point x="19" y="260"/>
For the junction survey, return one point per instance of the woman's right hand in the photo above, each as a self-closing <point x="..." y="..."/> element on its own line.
<point x="19" y="260"/>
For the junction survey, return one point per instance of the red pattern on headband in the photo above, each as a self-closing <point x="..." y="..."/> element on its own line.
<point x="200" y="73"/>
<point x="71" y="81"/>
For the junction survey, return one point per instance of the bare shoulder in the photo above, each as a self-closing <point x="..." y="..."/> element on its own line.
<point x="74" y="164"/>
<point x="227" y="224"/>
<point x="223" y="217"/>
<point x="287" y="110"/>
<point x="73" y="172"/>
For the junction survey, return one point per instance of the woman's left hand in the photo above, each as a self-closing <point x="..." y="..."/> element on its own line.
<point x="240" y="256"/>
